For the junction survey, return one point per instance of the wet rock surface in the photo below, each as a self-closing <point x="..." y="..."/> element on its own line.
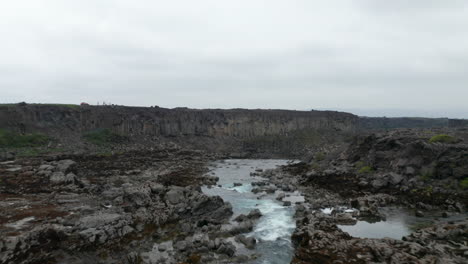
<point x="358" y="182"/>
<point x="148" y="206"/>
<point x="137" y="207"/>
<point x="319" y="240"/>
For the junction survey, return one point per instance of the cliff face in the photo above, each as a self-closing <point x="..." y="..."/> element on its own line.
<point x="458" y="123"/>
<point x="210" y="128"/>
<point x="171" y="122"/>
<point x="378" y="123"/>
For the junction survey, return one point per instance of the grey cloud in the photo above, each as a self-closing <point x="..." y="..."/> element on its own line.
<point x="374" y="55"/>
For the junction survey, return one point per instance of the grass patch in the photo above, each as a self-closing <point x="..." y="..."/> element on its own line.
<point x="464" y="183"/>
<point x="28" y="152"/>
<point x="425" y="177"/>
<point x="366" y="170"/>
<point x="362" y="168"/>
<point x="427" y="173"/>
<point x="31" y="152"/>
<point x="9" y="139"/>
<point x="315" y="166"/>
<point x="320" y="156"/>
<point x="24" y="104"/>
<point x="442" y="138"/>
<point x="103" y="137"/>
<point x="359" y="164"/>
<point x="7" y="105"/>
<point x="63" y="105"/>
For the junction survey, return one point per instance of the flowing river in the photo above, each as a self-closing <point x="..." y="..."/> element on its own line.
<point x="274" y="229"/>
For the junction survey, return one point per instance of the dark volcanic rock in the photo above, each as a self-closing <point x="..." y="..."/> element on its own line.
<point x="318" y="240"/>
<point x="253" y="215"/>
<point x="240" y="132"/>
<point x="115" y="206"/>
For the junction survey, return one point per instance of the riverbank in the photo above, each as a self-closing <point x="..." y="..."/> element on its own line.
<point x="321" y="221"/>
<point x="356" y="190"/>
<point x="108" y="209"/>
<point x="175" y="205"/>
<point x="269" y="239"/>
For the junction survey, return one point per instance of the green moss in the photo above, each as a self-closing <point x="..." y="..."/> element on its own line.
<point x="362" y="168"/>
<point x="365" y="170"/>
<point x="442" y="138"/>
<point x="464" y="183"/>
<point x="31" y="152"/>
<point x="60" y="105"/>
<point x="7" y="105"/>
<point x="104" y="154"/>
<point x="320" y="156"/>
<point x="426" y="175"/>
<point x="428" y="191"/>
<point x="103" y="137"/>
<point x="315" y="166"/>
<point x="9" y="139"/>
<point x="64" y="105"/>
<point x="28" y="152"/>
<point x="359" y="164"/>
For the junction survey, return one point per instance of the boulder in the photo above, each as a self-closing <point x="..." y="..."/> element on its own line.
<point x="65" y="165"/>
<point x="379" y="183"/>
<point x="254" y="214"/>
<point x="46" y="167"/>
<point x="280" y="196"/>
<point x="419" y="213"/>
<point x="394" y="178"/>
<point x="137" y="196"/>
<point x="227" y="248"/>
<point x="239" y="228"/>
<point x="157" y="188"/>
<point x="181" y="245"/>
<point x="345" y="219"/>
<point x="410" y="171"/>
<point x="249" y="242"/>
<point x="175" y="195"/>
<point x="60" y="178"/>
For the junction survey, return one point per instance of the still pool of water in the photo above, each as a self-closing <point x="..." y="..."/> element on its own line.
<point x="392" y="228"/>
<point x="399" y="222"/>
<point x="274" y="229"/>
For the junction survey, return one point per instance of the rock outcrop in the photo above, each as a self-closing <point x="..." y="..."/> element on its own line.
<point x="401" y="163"/>
<point x="318" y="240"/>
<point x="234" y="131"/>
<point x="137" y="207"/>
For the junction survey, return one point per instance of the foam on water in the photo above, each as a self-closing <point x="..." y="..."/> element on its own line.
<point x="276" y="222"/>
<point x="327" y="210"/>
<point x="274" y="229"/>
<point x="241" y="189"/>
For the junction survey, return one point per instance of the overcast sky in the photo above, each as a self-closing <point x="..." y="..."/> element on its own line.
<point x="372" y="57"/>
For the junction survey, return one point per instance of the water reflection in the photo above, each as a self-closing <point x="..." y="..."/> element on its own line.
<point x="399" y="222"/>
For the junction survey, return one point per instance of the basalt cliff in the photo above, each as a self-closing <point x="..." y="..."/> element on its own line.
<point x="276" y="132"/>
<point x="235" y="132"/>
<point x="113" y="184"/>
